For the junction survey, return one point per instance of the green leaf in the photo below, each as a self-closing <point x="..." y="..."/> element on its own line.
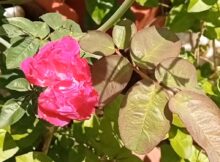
<point x="176" y="73"/>
<point x="10" y="31"/>
<point x="11" y="112"/>
<point x="17" y="53"/>
<point x="72" y="26"/>
<point x="151" y="45"/>
<point x="212" y="32"/>
<point x="123" y="32"/>
<point x="90" y="157"/>
<point x="7" y="146"/>
<point x="148" y="3"/>
<point x="198" y="155"/>
<point x="68" y="28"/>
<point x="97" y="42"/>
<point x="98" y="9"/>
<point x="168" y="154"/>
<point x="23" y="24"/>
<point x="54" y="20"/>
<point x="126" y="156"/>
<point x="108" y="129"/>
<point x="201" y="117"/>
<point x="181" y="142"/>
<point x="28" y="131"/>
<point x="110" y="75"/>
<point x="59" y="33"/>
<point x="200" y="5"/>
<point x="19" y="84"/>
<point x="177" y="121"/>
<point x="177" y="15"/>
<point x="42" y="29"/>
<point x="143" y="118"/>
<point x="33" y="157"/>
<point x="218" y="84"/>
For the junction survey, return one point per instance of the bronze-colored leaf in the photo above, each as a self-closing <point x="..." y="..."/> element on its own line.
<point x="176" y="73"/>
<point x="201" y="117"/>
<point x="151" y="45"/>
<point x="123" y="32"/>
<point x="97" y="42"/>
<point x="143" y="118"/>
<point x="110" y="75"/>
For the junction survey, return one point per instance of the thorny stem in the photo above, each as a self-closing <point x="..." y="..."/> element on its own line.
<point x="117" y="15"/>
<point x="48" y="138"/>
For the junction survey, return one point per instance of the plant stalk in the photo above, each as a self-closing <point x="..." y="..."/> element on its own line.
<point x="214" y="55"/>
<point x="5" y="43"/>
<point x="48" y="138"/>
<point x="117" y="15"/>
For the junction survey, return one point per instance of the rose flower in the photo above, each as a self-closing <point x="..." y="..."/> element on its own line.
<point x="69" y="94"/>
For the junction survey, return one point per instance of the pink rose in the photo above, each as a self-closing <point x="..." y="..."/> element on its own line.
<point x="69" y="94"/>
<point x="67" y="101"/>
<point x="58" y="60"/>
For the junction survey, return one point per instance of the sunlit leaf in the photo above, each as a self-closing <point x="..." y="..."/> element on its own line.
<point x="10" y="31"/>
<point x="97" y="42"/>
<point x="181" y="142"/>
<point x="42" y="29"/>
<point x="71" y="26"/>
<point x="177" y="121"/>
<point x="201" y="117"/>
<point x="151" y="45"/>
<point x="200" y="5"/>
<point x="17" y="53"/>
<point x="59" y="33"/>
<point x="148" y="3"/>
<point x="19" y="84"/>
<point x="54" y="20"/>
<point x="7" y="146"/>
<point x="143" y="118"/>
<point x="110" y="75"/>
<point x="198" y="155"/>
<point x="177" y="15"/>
<point x="23" y="24"/>
<point x="123" y="32"/>
<point x="176" y="73"/>
<point x="11" y="112"/>
<point x="98" y="9"/>
<point x="33" y="157"/>
<point x="218" y="84"/>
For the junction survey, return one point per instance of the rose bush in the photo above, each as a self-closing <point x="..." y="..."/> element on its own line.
<point x="69" y="94"/>
<point x="145" y="102"/>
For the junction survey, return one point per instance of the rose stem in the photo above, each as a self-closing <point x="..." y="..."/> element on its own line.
<point x="48" y="138"/>
<point x="117" y="15"/>
<point x="5" y="43"/>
